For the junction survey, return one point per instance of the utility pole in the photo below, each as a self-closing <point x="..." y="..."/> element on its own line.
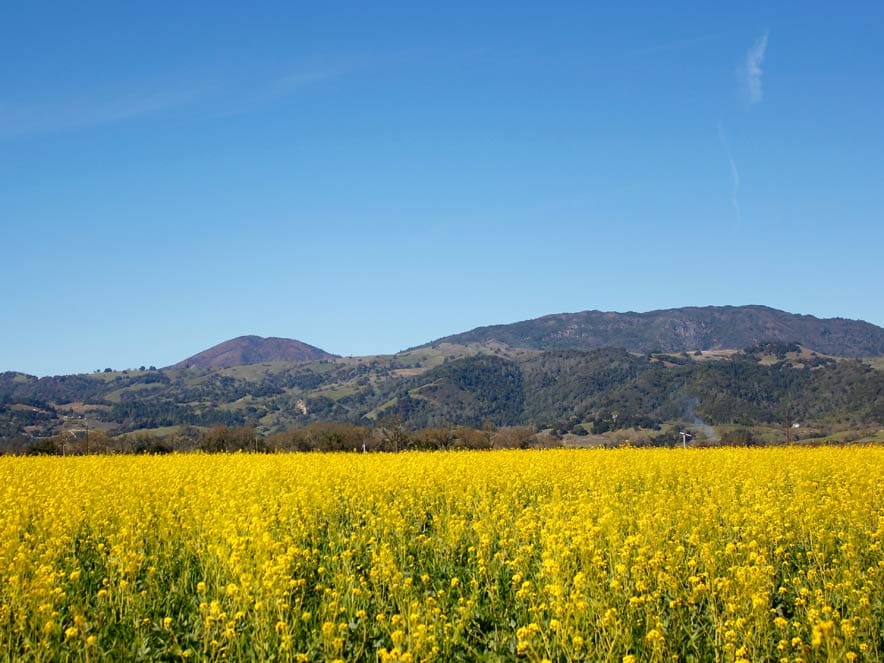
<point x="788" y="429"/>
<point x="86" y="426"/>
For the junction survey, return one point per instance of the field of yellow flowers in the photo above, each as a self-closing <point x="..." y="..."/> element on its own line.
<point x="565" y="555"/>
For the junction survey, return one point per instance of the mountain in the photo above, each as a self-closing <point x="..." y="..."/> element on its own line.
<point x="545" y="372"/>
<point x="683" y="330"/>
<point x="459" y="385"/>
<point x="245" y="350"/>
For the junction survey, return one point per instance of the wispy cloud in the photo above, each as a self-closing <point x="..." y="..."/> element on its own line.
<point x="735" y="174"/>
<point x="250" y="95"/>
<point x="750" y="71"/>
<point x="107" y="107"/>
<point x="88" y="111"/>
<point x="297" y="81"/>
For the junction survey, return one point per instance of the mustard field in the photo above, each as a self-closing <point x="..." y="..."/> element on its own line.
<point x="565" y="555"/>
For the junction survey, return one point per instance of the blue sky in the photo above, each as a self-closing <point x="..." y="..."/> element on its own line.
<point x="366" y="177"/>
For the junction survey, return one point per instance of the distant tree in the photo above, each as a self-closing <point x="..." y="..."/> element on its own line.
<point x="295" y="439"/>
<point x="441" y="437"/>
<point x="46" y="446"/>
<point x="470" y="438"/>
<point x="741" y="437"/>
<point x="148" y="444"/>
<point x="330" y="436"/>
<point x="228" y="438"/>
<point x="513" y="437"/>
<point x="186" y="437"/>
<point x="393" y="433"/>
<point x="99" y="442"/>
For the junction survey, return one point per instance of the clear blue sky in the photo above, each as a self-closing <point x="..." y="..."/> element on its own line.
<point x="369" y="176"/>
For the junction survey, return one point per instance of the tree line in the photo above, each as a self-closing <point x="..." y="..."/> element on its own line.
<point x="389" y="436"/>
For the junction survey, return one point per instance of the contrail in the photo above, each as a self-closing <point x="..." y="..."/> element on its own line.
<point x="735" y="174"/>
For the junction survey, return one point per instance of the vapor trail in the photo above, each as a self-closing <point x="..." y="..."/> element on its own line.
<point x="735" y="174"/>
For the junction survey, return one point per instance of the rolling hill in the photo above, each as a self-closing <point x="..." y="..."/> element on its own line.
<point x="245" y="350"/>
<point x="651" y="368"/>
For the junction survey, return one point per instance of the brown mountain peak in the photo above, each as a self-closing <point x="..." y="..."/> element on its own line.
<point x="253" y="350"/>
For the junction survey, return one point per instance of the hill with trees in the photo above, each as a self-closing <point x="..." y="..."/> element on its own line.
<point x="683" y="330"/>
<point x="485" y="380"/>
<point x="612" y="387"/>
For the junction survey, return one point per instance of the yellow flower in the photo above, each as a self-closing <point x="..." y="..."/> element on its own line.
<point x="412" y="544"/>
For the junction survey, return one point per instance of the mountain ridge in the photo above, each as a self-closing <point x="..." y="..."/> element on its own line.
<point x="684" y="329"/>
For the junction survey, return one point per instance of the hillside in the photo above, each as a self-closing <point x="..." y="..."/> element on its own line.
<point x="521" y="374"/>
<point x="612" y="387"/>
<point x="596" y="389"/>
<point x="245" y="350"/>
<point x="683" y="330"/>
